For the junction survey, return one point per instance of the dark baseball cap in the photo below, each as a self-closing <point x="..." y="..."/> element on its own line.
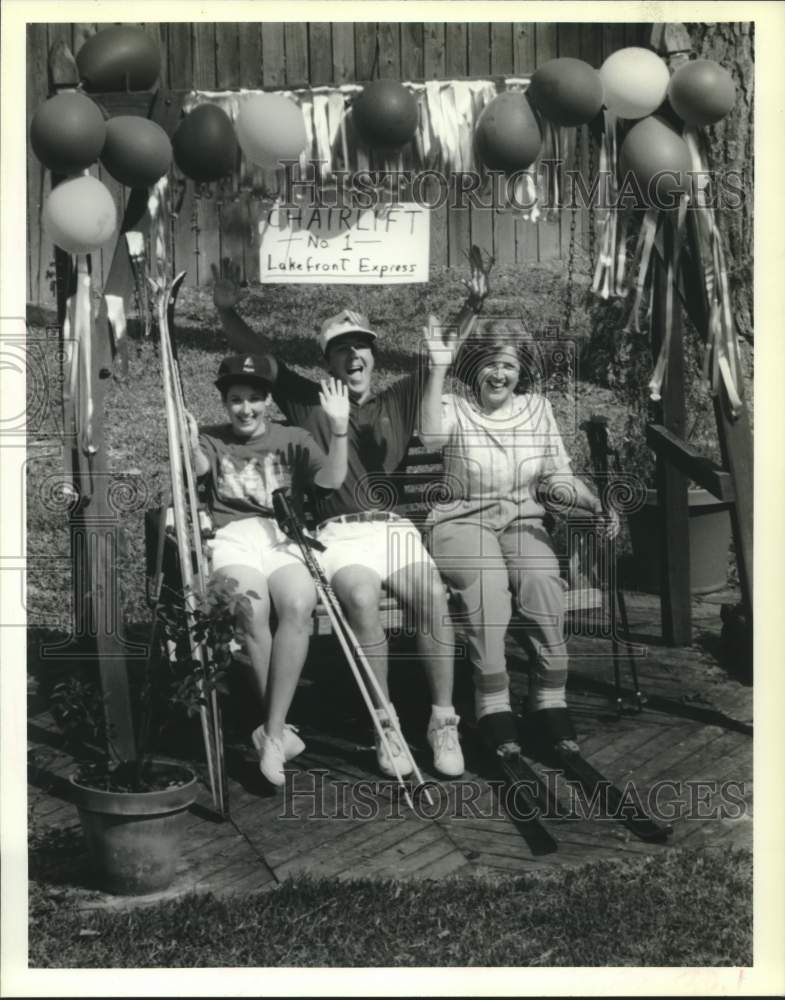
<point x="251" y="369"/>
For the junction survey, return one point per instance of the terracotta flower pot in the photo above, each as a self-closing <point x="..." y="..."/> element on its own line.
<point x="134" y="837"/>
<point x="710" y="535"/>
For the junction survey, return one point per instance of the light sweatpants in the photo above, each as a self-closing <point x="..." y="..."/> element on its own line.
<point x="488" y="560"/>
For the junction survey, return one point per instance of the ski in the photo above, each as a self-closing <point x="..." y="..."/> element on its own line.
<point x="529" y="795"/>
<point x="631" y="814"/>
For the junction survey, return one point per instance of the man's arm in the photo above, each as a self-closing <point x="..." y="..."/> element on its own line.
<point x="441" y="351"/>
<point x="226" y="296"/>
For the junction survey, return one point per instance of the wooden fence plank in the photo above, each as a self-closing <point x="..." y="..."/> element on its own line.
<point x="296" y="47"/>
<point x="320" y="52"/>
<point x="208" y="235"/>
<point x="39" y="248"/>
<point x="456" y="65"/>
<point x="273" y="74"/>
<point x="502" y="64"/>
<point x="591" y="52"/>
<point x="180" y="56"/>
<point x="501" y="48"/>
<point x="433" y="51"/>
<point x="389" y="36"/>
<point x="412" y="51"/>
<point x="250" y="56"/>
<point x="204" y="56"/>
<point x="227" y="56"/>
<point x="523" y="64"/>
<point x="343" y="52"/>
<point x="364" y="50"/>
<point x="181" y="77"/>
<point x="480" y="218"/>
<point x="479" y="49"/>
<point x="570" y="45"/>
<point x="433" y="68"/>
<point x="548" y="233"/>
<point x="613" y="38"/>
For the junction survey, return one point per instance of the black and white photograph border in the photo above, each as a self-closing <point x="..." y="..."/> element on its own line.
<point x="612" y="850"/>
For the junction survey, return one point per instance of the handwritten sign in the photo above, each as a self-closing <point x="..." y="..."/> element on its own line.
<point x="382" y="245"/>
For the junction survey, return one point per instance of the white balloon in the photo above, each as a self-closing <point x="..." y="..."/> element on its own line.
<point x="80" y="215"/>
<point x="635" y="82"/>
<point x="270" y="129"/>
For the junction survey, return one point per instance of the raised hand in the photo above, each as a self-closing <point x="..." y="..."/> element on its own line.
<point x="441" y="342"/>
<point x="334" y="401"/>
<point x="193" y="430"/>
<point x="226" y="289"/>
<point x="608" y="524"/>
<point x="478" y="284"/>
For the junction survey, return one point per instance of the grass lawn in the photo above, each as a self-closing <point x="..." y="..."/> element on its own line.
<point x="686" y="909"/>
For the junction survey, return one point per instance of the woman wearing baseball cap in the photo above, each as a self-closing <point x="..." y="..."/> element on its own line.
<point x="243" y="462"/>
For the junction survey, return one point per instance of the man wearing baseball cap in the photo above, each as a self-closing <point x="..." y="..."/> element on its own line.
<point x="368" y="547"/>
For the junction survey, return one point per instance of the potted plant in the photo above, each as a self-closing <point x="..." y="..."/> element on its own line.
<point x="132" y="811"/>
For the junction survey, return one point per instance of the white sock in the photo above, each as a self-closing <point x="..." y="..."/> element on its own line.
<point x="490" y="702"/>
<point x="541" y="698"/>
<point x="440" y="713"/>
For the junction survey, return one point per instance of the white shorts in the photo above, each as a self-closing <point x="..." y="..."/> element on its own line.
<point x="382" y="546"/>
<point x="256" y="542"/>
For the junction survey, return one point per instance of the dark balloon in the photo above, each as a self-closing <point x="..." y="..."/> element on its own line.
<point x="205" y="144"/>
<point x="567" y="91"/>
<point x="701" y="92"/>
<point x="137" y="151"/>
<point x="659" y="159"/>
<point x="386" y="114"/>
<point x="68" y="133"/>
<point x="123" y="57"/>
<point x="508" y="136"/>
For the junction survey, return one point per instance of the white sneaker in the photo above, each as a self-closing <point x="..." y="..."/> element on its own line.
<point x="271" y="756"/>
<point x="397" y="751"/>
<point x="293" y="746"/>
<point x="447" y="755"/>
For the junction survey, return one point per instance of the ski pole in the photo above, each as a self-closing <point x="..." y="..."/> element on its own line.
<point x="190" y="481"/>
<point x="597" y="432"/>
<point x="181" y="527"/>
<point x="350" y="645"/>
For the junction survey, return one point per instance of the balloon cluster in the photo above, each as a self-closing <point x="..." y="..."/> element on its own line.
<point x="633" y="83"/>
<point x="68" y="134"/>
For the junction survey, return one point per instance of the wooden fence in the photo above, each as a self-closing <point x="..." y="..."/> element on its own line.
<point x="210" y="56"/>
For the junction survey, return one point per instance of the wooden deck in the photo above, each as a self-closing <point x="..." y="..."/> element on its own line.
<point x="336" y="818"/>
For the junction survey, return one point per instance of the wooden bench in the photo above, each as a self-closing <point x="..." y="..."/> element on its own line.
<point x="417" y="484"/>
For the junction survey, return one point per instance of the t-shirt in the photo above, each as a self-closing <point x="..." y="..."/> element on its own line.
<point x="492" y="457"/>
<point x="378" y="437"/>
<point x="244" y="472"/>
